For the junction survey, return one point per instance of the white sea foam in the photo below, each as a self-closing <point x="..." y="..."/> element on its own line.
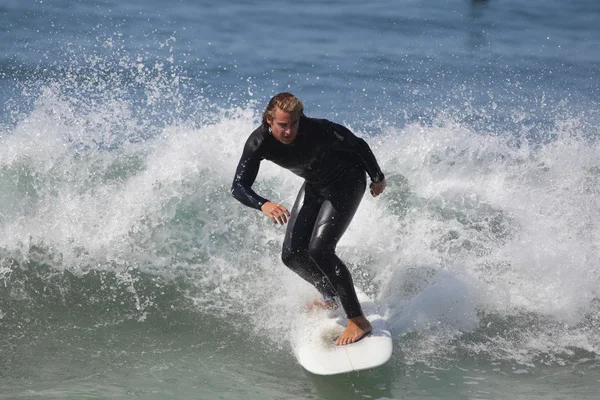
<point x="473" y="223"/>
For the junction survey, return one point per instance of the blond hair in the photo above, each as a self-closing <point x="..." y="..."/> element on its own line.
<point x="285" y="101"/>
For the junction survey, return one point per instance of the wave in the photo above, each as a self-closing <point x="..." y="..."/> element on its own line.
<point x="485" y="243"/>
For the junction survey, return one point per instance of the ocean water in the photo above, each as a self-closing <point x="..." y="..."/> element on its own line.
<point x="128" y="271"/>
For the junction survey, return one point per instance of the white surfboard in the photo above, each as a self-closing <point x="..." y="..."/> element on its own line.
<point x="317" y="352"/>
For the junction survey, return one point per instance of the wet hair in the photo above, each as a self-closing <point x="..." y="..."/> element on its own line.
<point x="285" y="101"/>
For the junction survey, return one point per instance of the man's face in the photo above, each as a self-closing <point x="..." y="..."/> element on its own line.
<point x="284" y="125"/>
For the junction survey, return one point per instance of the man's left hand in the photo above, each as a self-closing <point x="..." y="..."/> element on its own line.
<point x="377" y="188"/>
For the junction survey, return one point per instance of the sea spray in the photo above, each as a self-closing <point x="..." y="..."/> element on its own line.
<point x="484" y="241"/>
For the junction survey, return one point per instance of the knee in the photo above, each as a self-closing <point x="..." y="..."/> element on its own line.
<point x="318" y="253"/>
<point x="287" y="256"/>
<point x="291" y="258"/>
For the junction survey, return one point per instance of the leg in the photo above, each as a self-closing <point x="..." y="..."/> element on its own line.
<point x="342" y="199"/>
<point x="295" y="244"/>
<point x="336" y="213"/>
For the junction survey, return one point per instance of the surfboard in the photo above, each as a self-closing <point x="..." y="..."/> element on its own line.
<point x="315" y="347"/>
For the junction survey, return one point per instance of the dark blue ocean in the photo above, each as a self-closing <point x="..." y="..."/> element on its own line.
<point x="128" y="271"/>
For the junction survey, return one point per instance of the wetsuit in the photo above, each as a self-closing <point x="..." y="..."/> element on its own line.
<point x="332" y="161"/>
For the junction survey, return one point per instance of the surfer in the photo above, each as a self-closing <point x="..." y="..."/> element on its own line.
<point x="332" y="161"/>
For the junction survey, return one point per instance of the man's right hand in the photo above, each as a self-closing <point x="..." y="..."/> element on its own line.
<point x="277" y="212"/>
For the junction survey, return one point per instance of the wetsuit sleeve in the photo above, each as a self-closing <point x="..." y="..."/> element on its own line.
<point x="347" y="141"/>
<point x="246" y="173"/>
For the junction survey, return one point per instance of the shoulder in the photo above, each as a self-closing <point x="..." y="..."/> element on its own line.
<point x="315" y="124"/>
<point x="325" y="125"/>
<point x="331" y="130"/>
<point x="258" y="138"/>
<point x="319" y="127"/>
<point x="259" y="133"/>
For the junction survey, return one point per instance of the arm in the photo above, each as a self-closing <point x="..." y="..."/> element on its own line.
<point x="245" y="175"/>
<point x="347" y="141"/>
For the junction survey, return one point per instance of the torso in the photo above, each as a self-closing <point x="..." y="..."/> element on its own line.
<point x="311" y="156"/>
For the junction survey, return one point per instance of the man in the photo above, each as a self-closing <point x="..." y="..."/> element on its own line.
<point x="332" y="161"/>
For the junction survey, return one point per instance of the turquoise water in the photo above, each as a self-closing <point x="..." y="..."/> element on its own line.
<point x="127" y="270"/>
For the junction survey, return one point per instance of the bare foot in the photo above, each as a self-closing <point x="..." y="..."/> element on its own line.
<point x="322" y="304"/>
<point x="357" y="328"/>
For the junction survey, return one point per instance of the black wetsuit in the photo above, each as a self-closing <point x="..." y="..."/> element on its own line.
<point x="333" y="161"/>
